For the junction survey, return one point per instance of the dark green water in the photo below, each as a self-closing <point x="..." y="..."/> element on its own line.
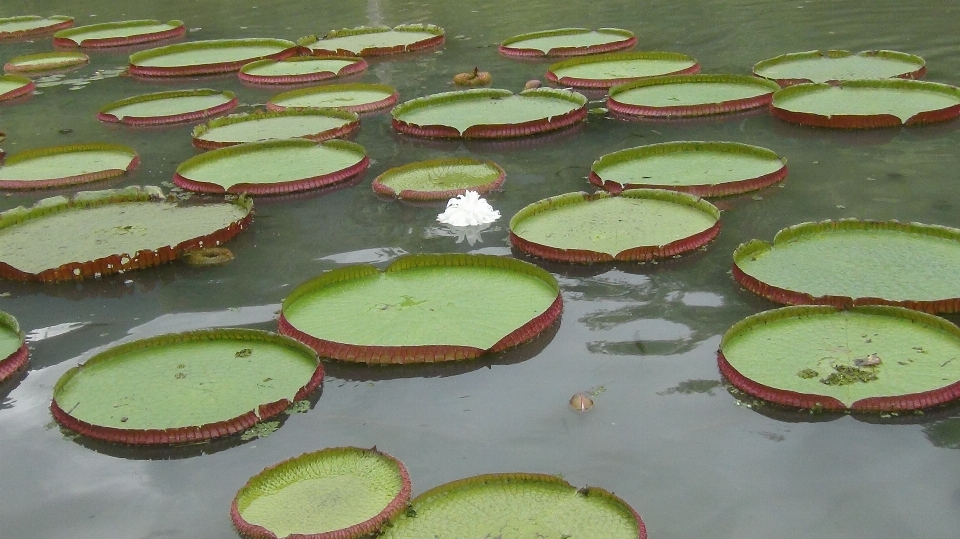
<point x="664" y="435"/>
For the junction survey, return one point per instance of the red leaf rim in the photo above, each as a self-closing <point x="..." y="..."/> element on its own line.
<point x="358" y="66"/>
<point x="424" y="44"/>
<point x="408" y="194"/>
<point x="66" y="42"/>
<point x="351" y="125"/>
<point x="793" y="297"/>
<point x="700" y="109"/>
<point x="105" y="116"/>
<point x="204" y="69"/>
<point x="13" y="363"/>
<point x="65" y="22"/>
<point x="507" y="50"/>
<point x="279" y="188"/>
<point x="388" y="101"/>
<point x="27" y="87"/>
<point x="798" y="56"/>
<point x="15" y="65"/>
<point x="579" y="82"/>
<point x="635" y="254"/>
<point x="396" y="506"/>
<point x="68" y="180"/>
<point x="396" y="355"/>
<point x="191" y="434"/>
<point x="144" y="258"/>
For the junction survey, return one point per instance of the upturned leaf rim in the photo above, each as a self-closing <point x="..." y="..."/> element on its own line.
<point x="17" y="359"/>
<point x="39" y="153"/>
<point x="622" y="39"/>
<point x="699" y="109"/>
<point x="286" y="50"/>
<point x="351" y="122"/>
<point x="390" y="93"/>
<point x="782" y="59"/>
<point x="316" y="45"/>
<point x="381" y="184"/>
<point x="604" y="83"/>
<point x="105" y="114"/>
<point x="66" y="38"/>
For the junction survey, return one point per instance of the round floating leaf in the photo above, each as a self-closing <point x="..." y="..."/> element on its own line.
<point x="315" y="125"/>
<point x="866" y="358"/>
<point x="440" y="179"/>
<point x="639" y="224"/>
<point x="567" y="42"/>
<point x="606" y="70"/>
<point x="168" y="107"/>
<point x="516" y="505"/>
<point x="359" y="97"/>
<point x="301" y="69"/>
<point x="46" y="61"/>
<point x="699" y="168"/>
<point x="867" y="103"/>
<point x="272" y="167"/>
<point x="403" y="314"/>
<point x="375" y="41"/>
<point x="66" y="165"/>
<point x="13" y="350"/>
<point x="185" y="387"/>
<point x="850" y="262"/>
<point x="29" y="25"/>
<point x="489" y="113"/>
<point x="835" y="66"/>
<point x="118" y="34"/>
<point x="103" y="232"/>
<point x="211" y="56"/>
<point x="12" y="86"/>
<point x="690" y="95"/>
<point x="335" y="493"/>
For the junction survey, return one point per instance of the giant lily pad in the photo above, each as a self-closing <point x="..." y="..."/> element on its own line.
<point x="835" y="66"/>
<point x="185" y="387"/>
<point x="358" y="97"/>
<point x="66" y="165"/>
<point x="639" y="224"/>
<point x="272" y="167"/>
<point x="168" y="107"/>
<point x="102" y="232"/>
<point x="375" y="41"/>
<point x="316" y="125"/>
<point x="12" y="86"/>
<point x="698" y="168"/>
<point x="300" y="69"/>
<point x="440" y="179"/>
<point x="851" y="262"/>
<point x="690" y="95"/>
<point x="516" y="505"/>
<point x="45" y="61"/>
<point x="403" y="314"/>
<point x="13" y="350"/>
<point x="30" y="25"/>
<point x="866" y="358"/>
<point x="567" y="42"/>
<point x="211" y="56"/>
<point x="489" y="113"/>
<point x="118" y="34"/>
<point x="606" y="70"/>
<point x="867" y="103"/>
<point x="335" y="493"/>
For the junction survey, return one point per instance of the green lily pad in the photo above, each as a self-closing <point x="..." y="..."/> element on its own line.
<point x="852" y="262"/>
<point x="358" y="97"/>
<point x="698" y="168"/>
<point x="516" y="506"/>
<point x="103" y="232"/>
<point x="46" y="61"/>
<point x="299" y="69"/>
<point x="867" y="103"/>
<point x="29" y="25"/>
<point x="375" y="41"/>
<point x="440" y="179"/>
<point x="13" y="350"/>
<point x="338" y="492"/>
<point x="835" y="66"/>
<point x="567" y="42"/>
<point x="272" y="167"/>
<point x="690" y="95"/>
<point x="211" y="56"/>
<point x="168" y="107"/>
<point x="638" y="224"/>
<point x="403" y="314"/>
<point x="315" y="125"/>
<point x="185" y="387"/>
<point x="606" y="70"/>
<point x="866" y="358"/>
<point x="489" y="113"/>
<point x="66" y="165"/>
<point x="118" y="34"/>
<point x="12" y="86"/>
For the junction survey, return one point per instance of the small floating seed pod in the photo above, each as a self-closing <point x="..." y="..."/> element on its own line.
<point x="581" y="402"/>
<point x="474" y="78"/>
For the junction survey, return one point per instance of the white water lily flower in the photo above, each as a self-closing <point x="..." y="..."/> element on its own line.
<point x="468" y="209"/>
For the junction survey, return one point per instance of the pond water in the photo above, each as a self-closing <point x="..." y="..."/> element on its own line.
<point x="664" y="434"/>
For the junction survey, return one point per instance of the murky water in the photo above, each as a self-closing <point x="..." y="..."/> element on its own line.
<point x="664" y="434"/>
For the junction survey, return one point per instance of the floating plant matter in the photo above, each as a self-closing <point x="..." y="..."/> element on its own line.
<point x="13" y="350"/>
<point x="403" y="314"/>
<point x="118" y="34"/>
<point x="690" y="95"/>
<point x="440" y="179"/>
<point x="185" y="387"/>
<point x="335" y="493"/>
<point x="31" y="25"/>
<point x="567" y="42"/>
<point x="12" y="86"/>
<point x="375" y="41"/>
<point x="204" y="57"/>
<point x="45" y="61"/>
<point x="528" y="505"/>
<point x="208" y="256"/>
<point x="472" y="78"/>
<point x="606" y="70"/>
<point x="835" y="66"/>
<point x="358" y="97"/>
<point x="872" y="358"/>
<point x="66" y="165"/>
<point x="316" y="125"/>
<point x="168" y="107"/>
<point x="104" y="232"/>
<point x="468" y="209"/>
<point x="638" y="224"/>
<point x="300" y="69"/>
